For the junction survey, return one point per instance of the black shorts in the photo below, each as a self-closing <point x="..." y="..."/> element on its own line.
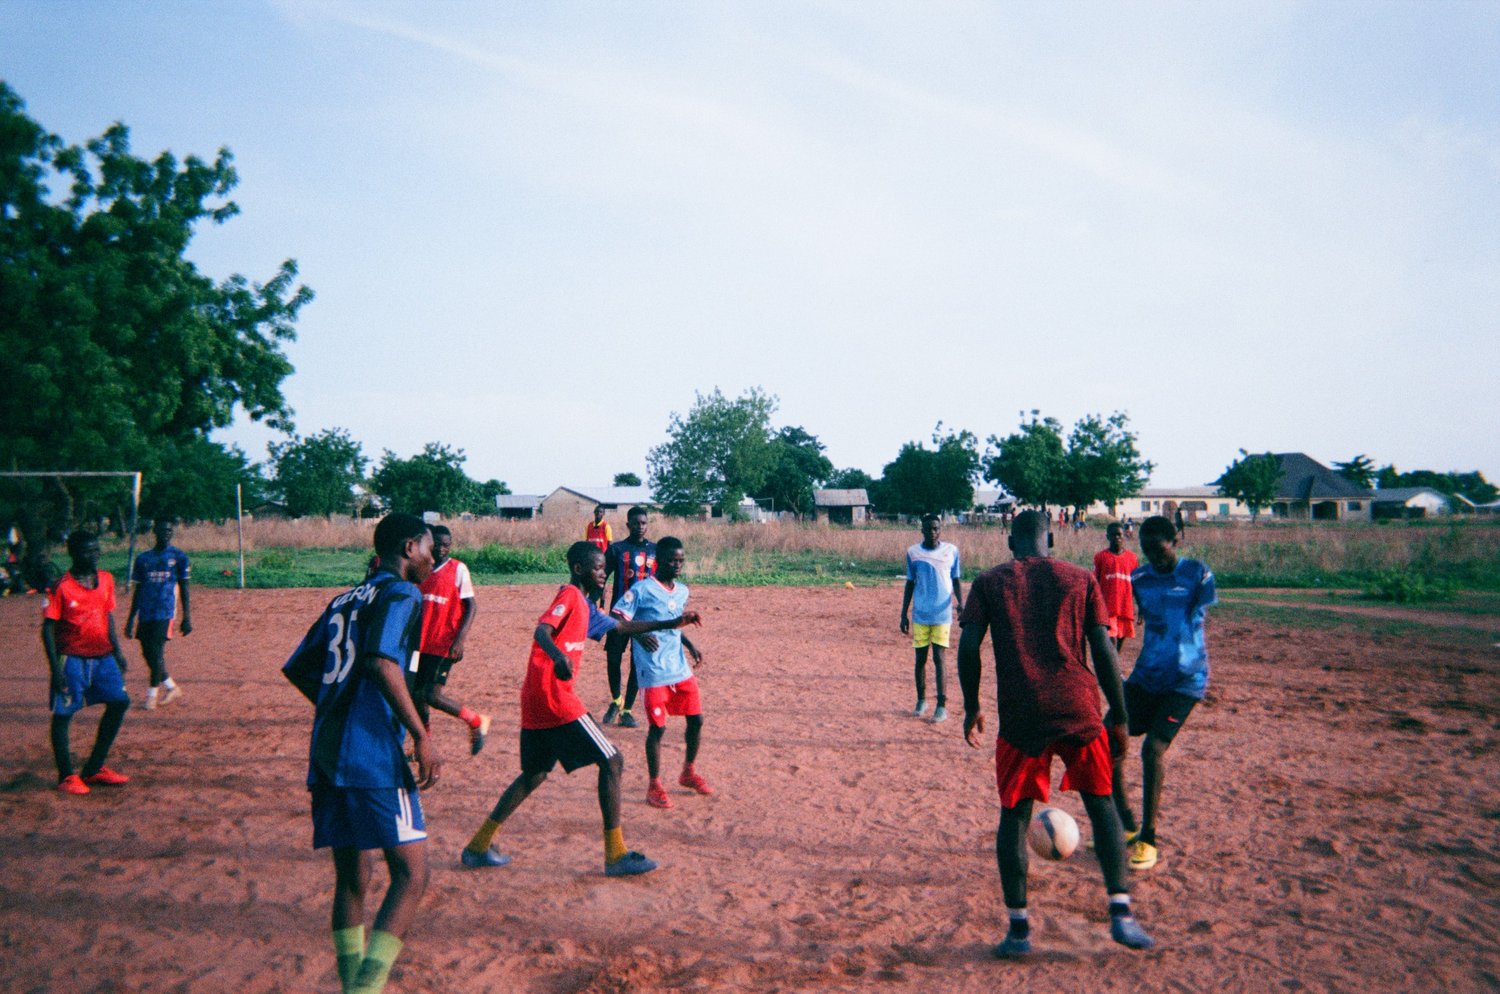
<point x="152" y="635"/>
<point x="1159" y="715"/>
<point x="577" y="744"/>
<point x="432" y="671"/>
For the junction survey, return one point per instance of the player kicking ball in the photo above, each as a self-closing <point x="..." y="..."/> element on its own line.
<point x="667" y="682"/>
<point x="555" y="726"/>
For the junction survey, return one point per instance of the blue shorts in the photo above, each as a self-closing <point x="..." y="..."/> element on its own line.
<point x="365" y="817"/>
<point x="90" y="681"/>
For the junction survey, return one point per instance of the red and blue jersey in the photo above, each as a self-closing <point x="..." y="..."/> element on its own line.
<point x="356" y="737"/>
<point x="158" y="574"/>
<point x="628" y="562"/>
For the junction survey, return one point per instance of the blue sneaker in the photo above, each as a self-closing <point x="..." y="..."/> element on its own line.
<point x="475" y="860"/>
<point x="629" y="865"/>
<point x="1014" y="947"/>
<point x="1125" y="930"/>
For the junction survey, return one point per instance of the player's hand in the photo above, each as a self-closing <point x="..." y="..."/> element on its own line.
<point x="130" y="629"/>
<point x="456" y="651"/>
<point x="697" y="656"/>
<point x="187" y="628"/>
<point x="689" y="618"/>
<point x="973" y="728"/>
<point x="1119" y="740"/>
<point x="649" y="642"/>
<point x="905" y="625"/>
<point x="428" y="763"/>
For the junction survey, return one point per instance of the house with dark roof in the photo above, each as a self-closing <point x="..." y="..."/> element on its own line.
<point x="1310" y="491"/>
<point x="1410" y="502"/>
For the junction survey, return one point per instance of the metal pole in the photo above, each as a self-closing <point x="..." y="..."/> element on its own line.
<point x="239" y="524"/>
<point x="135" y="508"/>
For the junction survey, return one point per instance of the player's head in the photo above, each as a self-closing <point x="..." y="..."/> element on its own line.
<point x="1030" y="534"/>
<point x="404" y="544"/>
<point x="598" y="513"/>
<point x="83" y="548"/>
<point x="586" y="566"/>
<point x="442" y="544"/>
<point x="1159" y="542"/>
<point x="636" y="520"/>
<point x="932" y="529"/>
<point x="164" y="529"/>
<point x="1116" y="535"/>
<point x="670" y="558"/>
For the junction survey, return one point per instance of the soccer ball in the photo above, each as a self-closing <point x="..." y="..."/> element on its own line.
<point x="1053" y="834"/>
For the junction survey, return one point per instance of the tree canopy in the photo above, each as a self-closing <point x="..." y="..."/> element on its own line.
<point x="936" y="480"/>
<point x="1098" y="462"/>
<point x="1471" y="485"/>
<point x="1251" y="480"/>
<point x="432" y="480"/>
<point x="714" y="456"/>
<point x="1360" y="471"/>
<point x="115" y="351"/>
<point x="627" y="480"/>
<point x="317" y="474"/>
<point x="798" y="467"/>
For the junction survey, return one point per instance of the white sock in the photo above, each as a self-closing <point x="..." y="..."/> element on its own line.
<point x="151" y="694"/>
<point x="169" y="683"/>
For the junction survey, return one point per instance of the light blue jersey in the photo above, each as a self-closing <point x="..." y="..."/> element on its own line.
<point x="933" y="572"/>
<point x="649" y="600"/>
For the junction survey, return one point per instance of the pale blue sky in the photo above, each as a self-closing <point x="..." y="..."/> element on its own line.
<point x="1268" y="225"/>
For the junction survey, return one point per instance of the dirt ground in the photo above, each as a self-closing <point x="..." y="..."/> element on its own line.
<point x="1332" y="823"/>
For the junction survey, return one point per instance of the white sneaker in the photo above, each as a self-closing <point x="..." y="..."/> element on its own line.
<point x="171" y="695"/>
<point x="150" y="702"/>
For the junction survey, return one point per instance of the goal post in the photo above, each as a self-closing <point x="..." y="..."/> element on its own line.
<point x="135" y="498"/>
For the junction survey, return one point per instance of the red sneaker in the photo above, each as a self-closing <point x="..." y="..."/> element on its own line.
<point x="107" y="777"/>
<point x="693" y="781"/>
<point x="656" y="795"/>
<point x="73" y="784"/>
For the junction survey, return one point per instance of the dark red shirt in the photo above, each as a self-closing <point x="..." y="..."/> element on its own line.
<point x="1039" y="611"/>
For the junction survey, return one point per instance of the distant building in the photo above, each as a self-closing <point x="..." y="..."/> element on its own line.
<point x="1311" y="491"/>
<point x="1410" y="502"/>
<point x="841" y="507"/>
<point x="1199" y="503"/>
<point x="518" y="505"/>
<point x="579" y="502"/>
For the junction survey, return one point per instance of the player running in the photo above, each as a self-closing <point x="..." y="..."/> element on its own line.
<point x="351" y="665"/>
<point x="932" y="591"/>
<point x="83" y="651"/>
<point x="629" y="560"/>
<point x="1170" y="675"/>
<point x="555" y="726"/>
<point x="160" y="575"/>
<point x="667" y="682"/>
<point x="1112" y="568"/>
<point x="448" y="609"/>
<point x="1041" y="613"/>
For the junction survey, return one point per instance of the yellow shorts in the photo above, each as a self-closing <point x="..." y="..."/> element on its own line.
<point x="924" y="635"/>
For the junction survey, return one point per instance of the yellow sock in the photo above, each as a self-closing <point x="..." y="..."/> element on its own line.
<point x="482" y="838"/>
<point x="614" y="844"/>
<point x="349" y="948"/>
<point x="376" y="968"/>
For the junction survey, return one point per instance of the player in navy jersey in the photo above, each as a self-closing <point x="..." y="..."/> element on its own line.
<point x="631" y="559"/>
<point x="1170" y="675"/>
<point x="160" y="575"/>
<point x="352" y="665"/>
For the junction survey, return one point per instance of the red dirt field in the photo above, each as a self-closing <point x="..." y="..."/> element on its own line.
<point x="1331" y="823"/>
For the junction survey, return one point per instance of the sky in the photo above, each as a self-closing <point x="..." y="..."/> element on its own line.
<point x="537" y="230"/>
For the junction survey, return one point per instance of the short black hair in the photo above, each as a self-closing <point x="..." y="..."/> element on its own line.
<point x="1158" y="527"/>
<point x="930" y="517"/>
<point x="1112" y="527"/>
<point x="439" y="530"/>
<point x="637" y="510"/>
<point x="77" y="540"/>
<point x="1031" y="523"/>
<point x="392" y="534"/>
<point x="666" y="546"/>
<point x="581" y="554"/>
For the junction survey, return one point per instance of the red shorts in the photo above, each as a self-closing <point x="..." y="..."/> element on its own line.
<point x="1088" y="769"/>
<point x="1122" y="628"/>
<point x="675" y="698"/>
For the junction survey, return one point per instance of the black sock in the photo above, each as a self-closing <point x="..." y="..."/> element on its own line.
<point x="1020" y="926"/>
<point x="1147" y="836"/>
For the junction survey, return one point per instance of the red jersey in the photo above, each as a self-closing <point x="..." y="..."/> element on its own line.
<point x="598" y="535"/>
<point x="546" y="701"/>
<point x="1038" y="611"/>
<point x="1113" y="570"/>
<point x="82" y="615"/>
<point x="442" y="606"/>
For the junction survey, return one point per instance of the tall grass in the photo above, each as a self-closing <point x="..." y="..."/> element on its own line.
<point x="1464" y="553"/>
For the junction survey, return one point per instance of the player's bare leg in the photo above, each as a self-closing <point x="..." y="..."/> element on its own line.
<point x="618" y="861"/>
<point x="1010" y="855"/>
<point x="614" y="653"/>
<point x="940" y="713"/>
<point x="479" y="724"/>
<point x="1109" y="846"/>
<point x="351" y="881"/>
<point x="1153" y="773"/>
<point x="1122" y="800"/>
<point x="692" y="736"/>
<point x="409" y="874"/>
<point x="656" y="793"/>
<point x="919" y="675"/>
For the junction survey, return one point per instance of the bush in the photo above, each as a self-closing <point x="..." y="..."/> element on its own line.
<point x="1409" y="587"/>
<point x="511" y="559"/>
<point x="278" y="559"/>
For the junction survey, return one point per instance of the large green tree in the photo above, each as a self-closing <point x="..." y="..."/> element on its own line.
<point x="197" y="482"/>
<point x="717" y="454"/>
<point x="798" y="467"/>
<point x="1103" y="463"/>
<point x="1360" y="471"/>
<point x="1031" y="462"/>
<point x="1251" y="480"/>
<point x="850" y="478"/>
<point x="317" y="474"/>
<point x="115" y="351"/>
<point x="937" y="480"/>
<point x="432" y="480"/>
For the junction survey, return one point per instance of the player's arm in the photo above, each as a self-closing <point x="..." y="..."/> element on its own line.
<point x="114" y="642"/>
<point x="560" y="666"/>
<point x="630" y="627"/>
<point x="135" y="603"/>
<point x="54" y="661"/>
<point x="911" y="585"/>
<point x="392" y="685"/>
<point x="467" y="610"/>
<point x="304" y="670"/>
<point x="692" y="651"/>
<point x="187" y="607"/>
<point x="971" y="637"/>
<point x="1107" y="672"/>
<point x="958" y="594"/>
